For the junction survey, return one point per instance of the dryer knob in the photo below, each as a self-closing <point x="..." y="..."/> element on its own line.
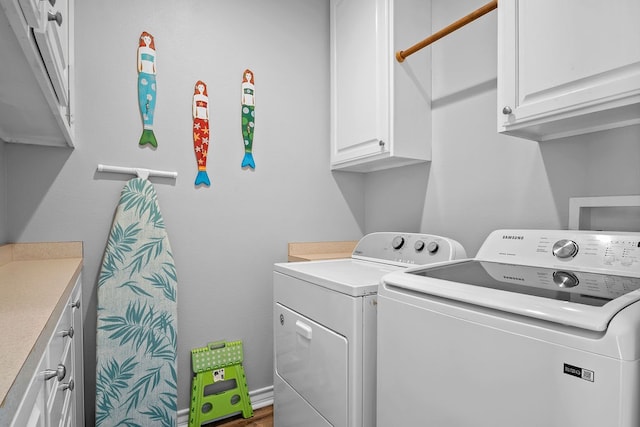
<point x="433" y="247"/>
<point x="564" y="279"/>
<point x="565" y="249"/>
<point x="419" y="246"/>
<point x="397" y="242"/>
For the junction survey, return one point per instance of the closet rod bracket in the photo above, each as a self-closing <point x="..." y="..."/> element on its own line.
<point x="140" y="172"/>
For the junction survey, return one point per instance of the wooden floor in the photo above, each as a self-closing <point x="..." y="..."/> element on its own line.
<point x="262" y="417"/>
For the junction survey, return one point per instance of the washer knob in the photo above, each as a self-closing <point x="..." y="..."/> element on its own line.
<point x="565" y="279"/>
<point x="397" y="242"/>
<point x="432" y="247"/>
<point x="419" y="246"/>
<point x="565" y="249"/>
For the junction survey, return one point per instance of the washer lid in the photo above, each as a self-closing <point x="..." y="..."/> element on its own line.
<point x="575" y="298"/>
<point x="349" y="276"/>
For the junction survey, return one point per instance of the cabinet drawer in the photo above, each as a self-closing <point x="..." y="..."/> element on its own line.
<point x="62" y="337"/>
<point x="74" y="305"/>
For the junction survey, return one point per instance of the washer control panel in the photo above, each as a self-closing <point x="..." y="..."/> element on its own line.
<point x="407" y="248"/>
<point x="589" y="250"/>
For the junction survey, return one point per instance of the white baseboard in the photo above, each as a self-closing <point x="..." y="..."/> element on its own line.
<point x="259" y="399"/>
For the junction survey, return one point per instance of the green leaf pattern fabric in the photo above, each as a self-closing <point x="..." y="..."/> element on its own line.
<point x="136" y="378"/>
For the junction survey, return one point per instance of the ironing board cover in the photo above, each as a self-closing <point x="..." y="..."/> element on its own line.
<point x="136" y="380"/>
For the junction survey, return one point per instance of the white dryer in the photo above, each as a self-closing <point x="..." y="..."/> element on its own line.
<point x="541" y="328"/>
<point x="325" y="328"/>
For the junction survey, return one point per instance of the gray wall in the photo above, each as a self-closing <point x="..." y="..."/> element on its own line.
<point x="479" y="180"/>
<point x="3" y="194"/>
<point x="225" y="238"/>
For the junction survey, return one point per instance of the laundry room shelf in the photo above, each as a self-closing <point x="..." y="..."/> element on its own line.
<point x="313" y="251"/>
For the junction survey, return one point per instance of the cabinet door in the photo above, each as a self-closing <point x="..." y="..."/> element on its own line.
<point x="32" y="409"/>
<point x="53" y="42"/>
<point x="37" y="90"/>
<point x="567" y="67"/>
<point x="59" y="400"/>
<point x="359" y="79"/>
<point x="31" y="10"/>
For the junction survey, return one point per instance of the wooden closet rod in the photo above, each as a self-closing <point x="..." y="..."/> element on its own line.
<point x="402" y="54"/>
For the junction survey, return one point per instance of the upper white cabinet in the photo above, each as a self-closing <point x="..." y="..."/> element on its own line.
<point x="36" y="78"/>
<point x="380" y="108"/>
<point x="567" y="68"/>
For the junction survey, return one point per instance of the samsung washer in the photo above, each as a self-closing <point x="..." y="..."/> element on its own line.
<point x="325" y="328"/>
<point x="541" y="328"/>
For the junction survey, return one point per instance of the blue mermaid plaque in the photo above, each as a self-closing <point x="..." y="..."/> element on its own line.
<point x="147" y="86"/>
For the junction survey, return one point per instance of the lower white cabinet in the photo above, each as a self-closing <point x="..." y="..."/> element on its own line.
<point x="55" y="395"/>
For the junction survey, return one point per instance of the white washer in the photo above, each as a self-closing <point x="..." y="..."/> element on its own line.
<point x="542" y="328"/>
<point x="325" y="328"/>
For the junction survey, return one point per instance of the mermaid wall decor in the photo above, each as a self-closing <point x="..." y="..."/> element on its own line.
<point x="248" y="118"/>
<point x="201" y="135"/>
<point x="147" y="86"/>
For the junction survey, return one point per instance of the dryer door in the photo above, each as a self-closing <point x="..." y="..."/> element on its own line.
<point x="312" y="359"/>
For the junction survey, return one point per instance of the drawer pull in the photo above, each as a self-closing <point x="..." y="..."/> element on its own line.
<point x="60" y="372"/>
<point x="68" y="333"/>
<point x="68" y="386"/>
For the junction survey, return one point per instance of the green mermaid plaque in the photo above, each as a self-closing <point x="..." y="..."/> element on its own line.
<point x="248" y="118"/>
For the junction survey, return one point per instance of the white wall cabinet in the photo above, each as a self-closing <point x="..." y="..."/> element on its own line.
<point x="36" y="78"/>
<point x="567" y="68"/>
<point x="55" y="395"/>
<point x="380" y="108"/>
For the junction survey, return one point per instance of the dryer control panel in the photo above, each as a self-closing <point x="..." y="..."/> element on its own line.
<point x="614" y="253"/>
<point x="407" y="249"/>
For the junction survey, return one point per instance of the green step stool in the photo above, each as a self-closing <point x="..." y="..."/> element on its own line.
<point x="219" y="386"/>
